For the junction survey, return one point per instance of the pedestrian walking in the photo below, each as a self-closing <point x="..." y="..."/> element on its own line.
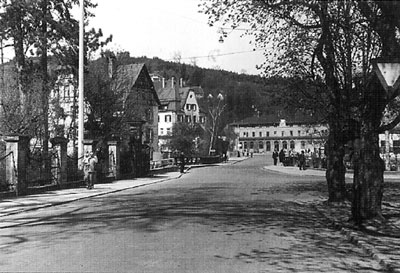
<point x="275" y="157"/>
<point x="302" y="161"/>
<point x="92" y="170"/>
<point x="182" y="162"/>
<point x="281" y="156"/>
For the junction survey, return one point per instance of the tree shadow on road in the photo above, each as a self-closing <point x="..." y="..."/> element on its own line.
<point x="212" y="207"/>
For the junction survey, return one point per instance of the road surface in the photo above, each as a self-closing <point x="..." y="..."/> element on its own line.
<point x="232" y="218"/>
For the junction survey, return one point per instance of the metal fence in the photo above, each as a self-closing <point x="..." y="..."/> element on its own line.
<point x="42" y="169"/>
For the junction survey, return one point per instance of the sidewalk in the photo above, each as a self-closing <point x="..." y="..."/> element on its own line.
<point x="15" y="205"/>
<point x="380" y="240"/>
<point x="321" y="172"/>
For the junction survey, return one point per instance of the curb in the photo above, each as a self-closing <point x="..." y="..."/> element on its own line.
<point x="366" y="248"/>
<point x="100" y="194"/>
<point x="81" y="198"/>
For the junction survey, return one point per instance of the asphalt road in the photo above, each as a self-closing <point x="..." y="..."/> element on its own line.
<point x="232" y="218"/>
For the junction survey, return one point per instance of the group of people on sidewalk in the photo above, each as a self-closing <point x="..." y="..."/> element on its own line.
<point x="301" y="158"/>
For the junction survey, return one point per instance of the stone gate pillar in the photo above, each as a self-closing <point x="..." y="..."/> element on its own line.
<point x="17" y="148"/>
<point x="61" y="145"/>
<point x="114" y="158"/>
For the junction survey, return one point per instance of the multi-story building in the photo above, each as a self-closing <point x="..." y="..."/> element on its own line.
<point x="178" y="104"/>
<point x="135" y="111"/>
<point x="275" y="132"/>
<point x="140" y="102"/>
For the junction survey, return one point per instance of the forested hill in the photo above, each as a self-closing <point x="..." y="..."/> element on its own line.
<point x="246" y="95"/>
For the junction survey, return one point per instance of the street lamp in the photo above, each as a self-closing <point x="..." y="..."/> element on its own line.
<point x="215" y="112"/>
<point x="388" y="72"/>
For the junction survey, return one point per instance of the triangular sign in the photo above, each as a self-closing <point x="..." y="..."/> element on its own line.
<point x="389" y="74"/>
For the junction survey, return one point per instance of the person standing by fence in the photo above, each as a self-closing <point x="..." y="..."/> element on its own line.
<point x="92" y="170"/>
<point x="85" y="163"/>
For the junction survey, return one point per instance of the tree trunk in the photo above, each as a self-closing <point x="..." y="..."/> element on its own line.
<point x="368" y="177"/>
<point x="335" y="170"/>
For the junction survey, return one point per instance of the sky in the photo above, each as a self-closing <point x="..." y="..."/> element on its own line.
<point x="166" y="28"/>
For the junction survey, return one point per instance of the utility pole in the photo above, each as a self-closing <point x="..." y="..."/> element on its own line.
<point x="80" y="84"/>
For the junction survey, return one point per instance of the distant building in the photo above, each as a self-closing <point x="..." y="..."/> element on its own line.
<point x="178" y="104"/>
<point x="290" y="132"/>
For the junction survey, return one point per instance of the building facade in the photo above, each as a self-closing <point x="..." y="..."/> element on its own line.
<point x="273" y="132"/>
<point x="178" y="104"/>
<point x="132" y="113"/>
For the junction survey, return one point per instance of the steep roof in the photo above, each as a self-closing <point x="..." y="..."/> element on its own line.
<point x="127" y="77"/>
<point x="167" y="94"/>
<point x="196" y="89"/>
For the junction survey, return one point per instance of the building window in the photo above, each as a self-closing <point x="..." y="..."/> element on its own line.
<point x="396" y="146"/>
<point x="253" y="134"/>
<point x="161" y="131"/>
<point x="284" y="144"/>
<point x="167" y="118"/>
<point x="267" y="134"/>
<point x="194" y="119"/>
<point x="202" y="119"/>
<point x="276" y="145"/>
<point x="383" y="146"/>
<point x="299" y="132"/>
<point x="260" y="134"/>
<point x="191" y="107"/>
<point x="260" y="145"/>
<point x="291" y="133"/>
<point x="149" y="115"/>
<point x="275" y="132"/>
<point x="292" y="144"/>
<point x="188" y="119"/>
<point x="303" y="145"/>
<point x="180" y="118"/>
<point x="283" y="133"/>
<point x="168" y="131"/>
<point x="251" y="145"/>
<point x="268" y="144"/>
<point x="245" y="145"/>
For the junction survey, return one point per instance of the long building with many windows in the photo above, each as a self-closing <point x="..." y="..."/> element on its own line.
<point x="275" y="132"/>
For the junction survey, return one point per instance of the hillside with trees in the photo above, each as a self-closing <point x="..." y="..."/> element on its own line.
<point x="244" y="95"/>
